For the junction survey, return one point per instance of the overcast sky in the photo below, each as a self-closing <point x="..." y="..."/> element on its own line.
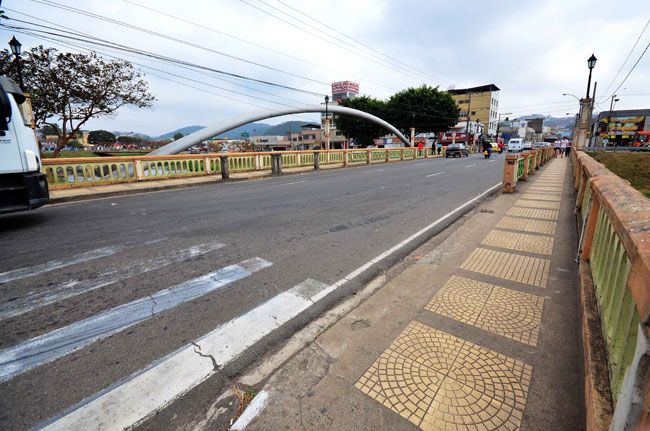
<point x="533" y="50"/>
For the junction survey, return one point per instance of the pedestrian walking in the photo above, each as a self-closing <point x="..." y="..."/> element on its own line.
<point x="556" y="146"/>
<point x="567" y="147"/>
<point x="420" y="147"/>
<point x="439" y="148"/>
<point x="563" y="147"/>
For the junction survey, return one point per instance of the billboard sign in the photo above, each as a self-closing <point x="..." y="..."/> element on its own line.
<point x="345" y="87"/>
<point x="621" y="125"/>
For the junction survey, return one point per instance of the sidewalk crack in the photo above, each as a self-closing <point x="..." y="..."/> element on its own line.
<point x="197" y="350"/>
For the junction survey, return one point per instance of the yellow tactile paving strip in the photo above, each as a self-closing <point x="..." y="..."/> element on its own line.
<point x="506" y="312"/>
<point x="515" y="267"/>
<point x="441" y="382"/>
<point x="538" y="204"/>
<point x="533" y="213"/>
<point x="527" y="225"/>
<point x="520" y="242"/>
<point x="534" y="189"/>
<point x="542" y="197"/>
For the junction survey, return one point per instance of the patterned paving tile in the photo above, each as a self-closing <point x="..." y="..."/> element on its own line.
<point x="526" y="225"/>
<point x="537" y="189"/>
<point x="520" y="242"/>
<point x="527" y="203"/>
<point x="533" y="213"/>
<point x="506" y="312"/>
<point x="541" y="197"/>
<point x="472" y="389"/>
<point x="515" y="267"/>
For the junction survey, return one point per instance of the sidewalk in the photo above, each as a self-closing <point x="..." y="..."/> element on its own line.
<point x="482" y="333"/>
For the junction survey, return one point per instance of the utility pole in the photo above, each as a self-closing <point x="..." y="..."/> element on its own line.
<point x="469" y="106"/>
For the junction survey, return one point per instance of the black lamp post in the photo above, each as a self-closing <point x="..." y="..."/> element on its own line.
<point x="591" y="62"/>
<point x="15" y="50"/>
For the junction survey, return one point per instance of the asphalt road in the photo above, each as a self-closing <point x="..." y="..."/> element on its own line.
<point x="139" y="262"/>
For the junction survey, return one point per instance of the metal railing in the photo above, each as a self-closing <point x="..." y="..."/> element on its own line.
<point x="96" y="171"/>
<point x="614" y="256"/>
<point x="517" y="167"/>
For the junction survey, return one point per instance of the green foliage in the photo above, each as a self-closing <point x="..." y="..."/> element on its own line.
<point x="74" y="143"/>
<point x="129" y="139"/>
<point x="100" y="137"/>
<point x="362" y="131"/>
<point x="425" y="108"/>
<point x="177" y="135"/>
<point x="68" y="89"/>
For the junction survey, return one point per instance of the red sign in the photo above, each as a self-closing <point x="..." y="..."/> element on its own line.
<point x="345" y="87"/>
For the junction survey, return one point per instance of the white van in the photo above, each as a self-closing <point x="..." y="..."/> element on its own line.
<point x="22" y="185"/>
<point x="515" y="144"/>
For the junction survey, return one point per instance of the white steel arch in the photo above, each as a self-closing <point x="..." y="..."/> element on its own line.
<point x="192" y="139"/>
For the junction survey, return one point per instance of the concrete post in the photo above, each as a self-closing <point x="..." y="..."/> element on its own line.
<point x="387" y="154"/>
<point x="276" y="164"/>
<point x="510" y="173"/>
<point x="584" y="123"/>
<point x="316" y="160"/>
<point x="345" y="158"/>
<point x="369" y="155"/>
<point x="401" y="154"/>
<point x="139" y="173"/>
<point x="206" y="165"/>
<point x="258" y="162"/>
<point x="225" y="171"/>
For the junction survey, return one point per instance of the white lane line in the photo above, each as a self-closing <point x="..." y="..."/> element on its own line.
<point x="294" y="182"/>
<point x="153" y="388"/>
<point x="433" y="175"/>
<point x="51" y="265"/>
<point x="252" y="410"/>
<point x="52" y="345"/>
<point x="469" y="166"/>
<point x="492" y="161"/>
<point x="50" y="294"/>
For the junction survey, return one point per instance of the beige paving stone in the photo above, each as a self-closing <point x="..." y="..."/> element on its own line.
<point x="533" y="213"/>
<point x="479" y="389"/>
<point x="527" y="225"/>
<point x="510" y="266"/>
<point x="527" y="203"/>
<point x="542" y="196"/>
<point x="519" y="241"/>
<point x="512" y="314"/>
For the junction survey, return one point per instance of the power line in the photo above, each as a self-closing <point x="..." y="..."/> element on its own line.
<point x="633" y="67"/>
<point x="357" y="41"/>
<point x="102" y="42"/>
<point x="251" y="43"/>
<point x="624" y="62"/>
<point x="120" y="52"/>
<point x="174" y="39"/>
<point x="384" y="64"/>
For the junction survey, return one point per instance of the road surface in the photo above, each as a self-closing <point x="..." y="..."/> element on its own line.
<point x="103" y="300"/>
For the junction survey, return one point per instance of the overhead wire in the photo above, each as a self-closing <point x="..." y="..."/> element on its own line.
<point x="632" y="69"/>
<point x="425" y="74"/>
<point x="222" y="33"/>
<point x="54" y="4"/>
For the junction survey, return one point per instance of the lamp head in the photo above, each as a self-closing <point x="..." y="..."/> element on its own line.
<point x="15" y="46"/>
<point x="591" y="61"/>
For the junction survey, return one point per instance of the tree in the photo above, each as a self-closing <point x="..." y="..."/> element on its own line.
<point x="425" y="108"/>
<point x="100" y="137"/>
<point x="68" y="89"/>
<point x="129" y="139"/>
<point x="363" y="131"/>
<point x="177" y="136"/>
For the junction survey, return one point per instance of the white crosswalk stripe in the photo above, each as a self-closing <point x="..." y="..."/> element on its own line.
<point x="160" y="384"/>
<point x="48" y="347"/>
<point x="72" y="288"/>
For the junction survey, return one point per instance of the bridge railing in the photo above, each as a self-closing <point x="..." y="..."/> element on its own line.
<point x="614" y="257"/>
<point x="517" y="167"/>
<point x="96" y="171"/>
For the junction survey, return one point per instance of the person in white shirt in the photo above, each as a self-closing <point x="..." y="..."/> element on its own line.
<point x="563" y="143"/>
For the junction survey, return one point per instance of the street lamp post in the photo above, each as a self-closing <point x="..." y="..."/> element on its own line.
<point x="591" y="63"/>
<point x="327" y="124"/>
<point x="15" y="50"/>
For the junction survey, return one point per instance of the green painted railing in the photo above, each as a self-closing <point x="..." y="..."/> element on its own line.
<point x="520" y="168"/>
<point x="610" y="268"/>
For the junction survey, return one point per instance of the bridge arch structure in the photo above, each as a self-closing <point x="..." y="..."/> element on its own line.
<point x="192" y="139"/>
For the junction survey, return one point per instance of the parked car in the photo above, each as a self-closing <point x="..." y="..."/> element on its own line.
<point x="537" y="145"/>
<point x="515" y="144"/>
<point x="454" y="150"/>
<point x="527" y="146"/>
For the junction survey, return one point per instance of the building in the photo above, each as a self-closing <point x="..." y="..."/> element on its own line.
<point x="478" y="105"/>
<point x="342" y="90"/>
<point x="627" y="128"/>
<point x="310" y="137"/>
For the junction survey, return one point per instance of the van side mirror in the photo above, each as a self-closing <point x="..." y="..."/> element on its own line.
<point x="5" y="112"/>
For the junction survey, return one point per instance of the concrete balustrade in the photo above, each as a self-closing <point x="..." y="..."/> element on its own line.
<point x="517" y="167"/>
<point x="65" y="173"/>
<point x="614" y="256"/>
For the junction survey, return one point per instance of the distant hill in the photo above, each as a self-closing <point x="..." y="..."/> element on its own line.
<point x="253" y="129"/>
